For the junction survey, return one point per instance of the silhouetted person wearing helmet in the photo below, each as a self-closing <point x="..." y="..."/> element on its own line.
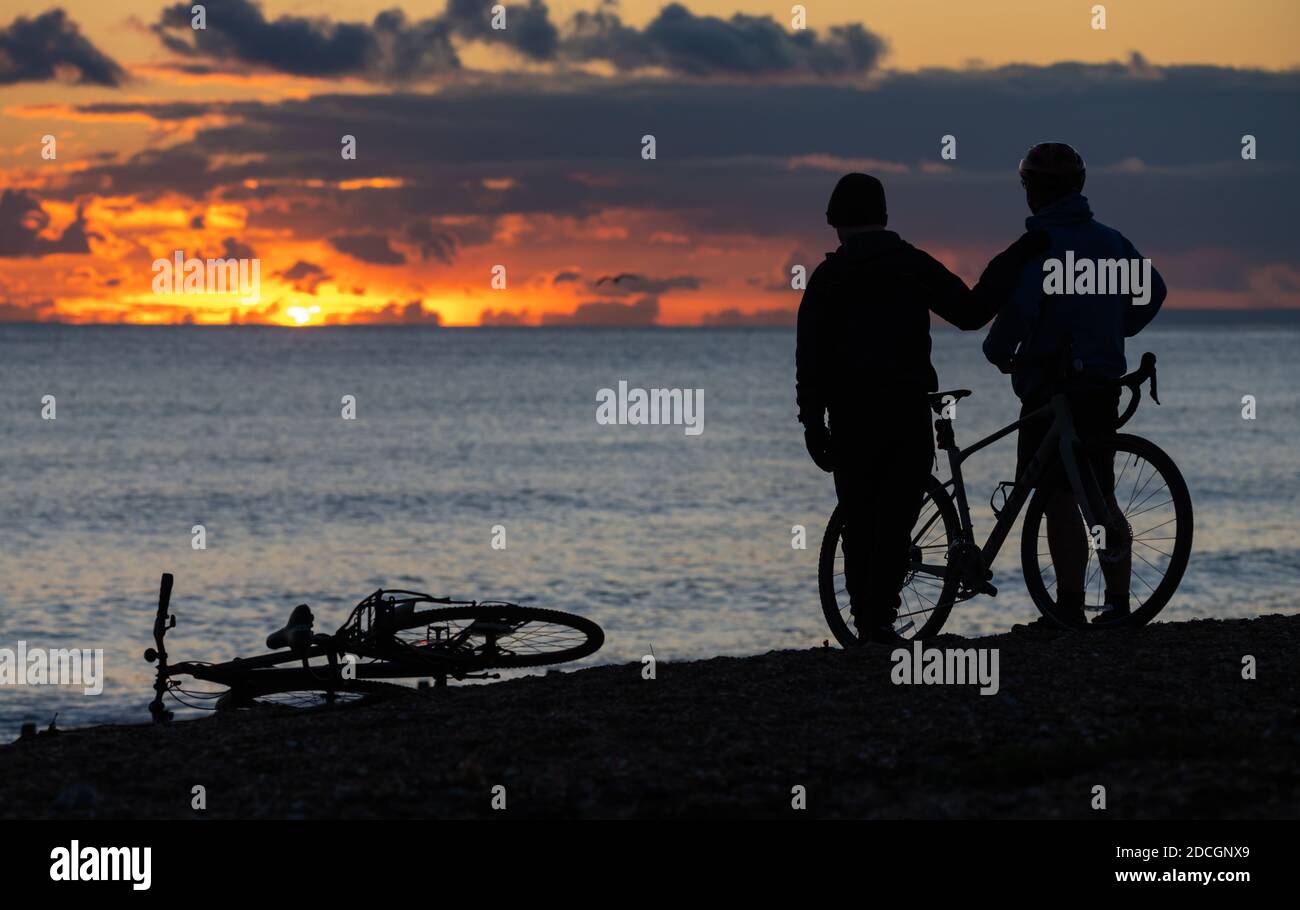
<point x="1037" y="337"/>
<point x="863" y="357"/>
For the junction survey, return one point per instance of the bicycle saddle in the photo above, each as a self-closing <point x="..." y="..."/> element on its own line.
<point x="296" y="633"/>
<point x="937" y="398"/>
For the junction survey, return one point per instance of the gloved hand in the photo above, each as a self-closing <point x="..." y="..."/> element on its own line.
<point x="818" y="441"/>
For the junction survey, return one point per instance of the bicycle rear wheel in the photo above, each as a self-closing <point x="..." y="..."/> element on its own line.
<point x="497" y="636"/>
<point x="1154" y="500"/>
<point x="929" y="589"/>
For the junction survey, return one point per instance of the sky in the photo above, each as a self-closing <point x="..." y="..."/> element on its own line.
<point x="501" y="176"/>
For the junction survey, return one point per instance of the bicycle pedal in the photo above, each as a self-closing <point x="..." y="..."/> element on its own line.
<point x="988" y="589"/>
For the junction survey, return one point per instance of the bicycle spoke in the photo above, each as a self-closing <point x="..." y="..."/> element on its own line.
<point x="921" y="596"/>
<point x="1157" y="527"/>
<point x="490" y="635"/>
<point x="1148" y="562"/>
<point x="927" y="526"/>
<point x="1154" y="474"/>
<point x="1120" y="479"/>
<point x="1140" y="577"/>
<point x="1157" y="549"/>
<point x="1148" y="509"/>
<point x="912" y="613"/>
<point x="1090" y="576"/>
<point x="1137" y="478"/>
<point x="1147" y="498"/>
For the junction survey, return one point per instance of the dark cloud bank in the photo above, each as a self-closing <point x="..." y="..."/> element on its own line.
<point x="51" y="46"/>
<point x="392" y="48"/>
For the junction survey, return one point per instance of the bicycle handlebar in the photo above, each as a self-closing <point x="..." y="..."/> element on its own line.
<point x="162" y="622"/>
<point x="1133" y="382"/>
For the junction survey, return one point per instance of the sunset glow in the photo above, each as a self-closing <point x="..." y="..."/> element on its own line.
<point x="506" y="183"/>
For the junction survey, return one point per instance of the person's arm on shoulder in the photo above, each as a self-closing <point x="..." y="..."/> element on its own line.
<point x="970" y="309"/>
<point x="943" y="292"/>
<point x="1001" y="276"/>
<point x="1016" y="319"/>
<point x="1139" y="315"/>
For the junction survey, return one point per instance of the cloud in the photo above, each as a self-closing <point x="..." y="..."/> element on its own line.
<point x="838" y="165"/>
<point x="52" y="47"/>
<point x="412" y="313"/>
<point x="732" y="147"/>
<point x="393" y="49"/>
<point x="388" y="49"/>
<point x="529" y="29"/>
<point x="642" y="312"/>
<point x="41" y="311"/>
<point x="728" y="183"/>
<point x="780" y="281"/>
<point x="772" y="316"/>
<point x="304" y="276"/>
<point x="1275" y="285"/>
<point x="22" y="222"/>
<point x="432" y="244"/>
<point x="626" y="284"/>
<point x="373" y="248"/>
<point x="681" y="42"/>
<point x="233" y="249"/>
<point x="502" y="318"/>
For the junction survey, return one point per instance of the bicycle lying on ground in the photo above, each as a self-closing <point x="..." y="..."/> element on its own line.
<point x="390" y="634"/>
<point x="947" y="566"/>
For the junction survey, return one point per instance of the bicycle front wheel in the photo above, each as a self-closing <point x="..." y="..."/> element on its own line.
<point x="1153" y="498"/>
<point x="298" y="689"/>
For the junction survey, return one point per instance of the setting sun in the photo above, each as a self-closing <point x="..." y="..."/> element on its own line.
<point x="302" y="315"/>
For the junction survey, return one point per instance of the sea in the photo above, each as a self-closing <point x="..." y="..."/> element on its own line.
<point x="321" y="464"/>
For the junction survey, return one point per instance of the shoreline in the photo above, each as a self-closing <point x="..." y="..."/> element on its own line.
<point x="1161" y="717"/>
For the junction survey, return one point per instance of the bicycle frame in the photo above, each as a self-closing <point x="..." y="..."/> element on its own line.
<point x="1060" y="441"/>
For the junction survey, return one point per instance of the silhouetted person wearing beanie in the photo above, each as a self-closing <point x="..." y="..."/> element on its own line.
<point x="863" y="357"/>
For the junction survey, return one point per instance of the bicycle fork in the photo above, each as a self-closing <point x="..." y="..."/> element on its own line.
<point x="1096" y="511"/>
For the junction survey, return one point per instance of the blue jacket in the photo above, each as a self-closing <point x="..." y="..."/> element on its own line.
<point x="1036" y="329"/>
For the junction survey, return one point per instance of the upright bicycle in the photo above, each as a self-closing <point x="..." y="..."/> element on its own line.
<point x="1152" y="528"/>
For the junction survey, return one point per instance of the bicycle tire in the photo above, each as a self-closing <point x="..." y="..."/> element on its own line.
<point x="255" y="689"/>
<point x="834" y="601"/>
<point x="1163" y="591"/>
<point x="494" y="658"/>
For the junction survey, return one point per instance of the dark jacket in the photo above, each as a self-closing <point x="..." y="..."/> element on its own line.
<point x="864" y="323"/>
<point x="1039" y="330"/>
